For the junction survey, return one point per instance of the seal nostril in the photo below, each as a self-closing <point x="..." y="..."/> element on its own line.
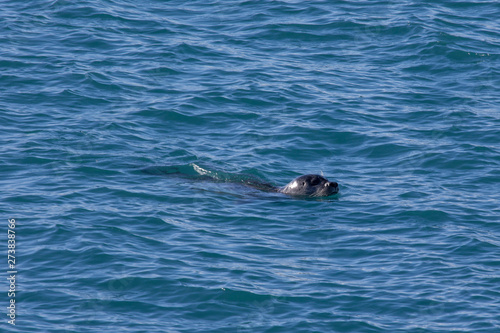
<point x="334" y="184"/>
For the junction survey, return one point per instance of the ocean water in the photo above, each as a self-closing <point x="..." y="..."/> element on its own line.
<point x="397" y="101"/>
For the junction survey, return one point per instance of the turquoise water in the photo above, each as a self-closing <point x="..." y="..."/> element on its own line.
<point x="398" y="102"/>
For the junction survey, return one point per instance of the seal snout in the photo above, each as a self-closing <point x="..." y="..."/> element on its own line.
<point x="333" y="187"/>
<point x="332" y="184"/>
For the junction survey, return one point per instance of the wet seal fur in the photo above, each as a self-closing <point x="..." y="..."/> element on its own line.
<point x="302" y="186"/>
<point x="310" y="186"/>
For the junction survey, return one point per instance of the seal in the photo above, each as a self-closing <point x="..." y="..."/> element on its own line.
<point x="302" y="186"/>
<point x="310" y="186"/>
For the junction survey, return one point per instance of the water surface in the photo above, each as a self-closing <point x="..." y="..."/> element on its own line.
<point x="395" y="101"/>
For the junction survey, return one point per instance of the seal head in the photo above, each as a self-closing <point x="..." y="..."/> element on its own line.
<point x="310" y="186"/>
